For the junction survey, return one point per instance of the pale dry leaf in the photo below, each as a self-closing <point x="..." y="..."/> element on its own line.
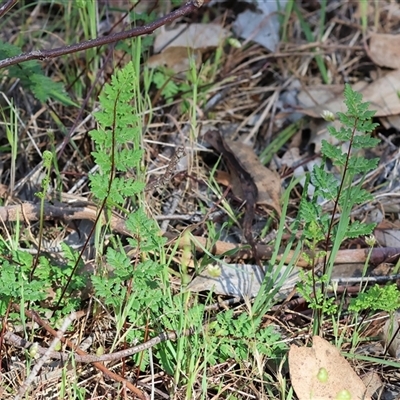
<point x="243" y="280"/>
<point x="260" y="25"/>
<point x="319" y="133"/>
<point x="388" y="237"/>
<point x="372" y="382"/>
<point x="361" y="9"/>
<point x="175" y="58"/>
<point x="291" y="159"/>
<point x="268" y="182"/>
<point x="382" y="93"/>
<point x="312" y="96"/>
<point x="321" y="372"/>
<point x="194" y="36"/>
<point x="392" y="121"/>
<point x="384" y="50"/>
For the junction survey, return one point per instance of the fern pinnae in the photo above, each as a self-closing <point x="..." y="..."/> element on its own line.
<point x="114" y="121"/>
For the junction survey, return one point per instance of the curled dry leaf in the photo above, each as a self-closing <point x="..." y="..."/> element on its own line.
<point x="268" y="182"/>
<point x="382" y="93"/>
<point x="321" y="372"/>
<point x="384" y="50"/>
<point x="244" y="180"/>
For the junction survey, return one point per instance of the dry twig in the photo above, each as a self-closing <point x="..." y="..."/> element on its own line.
<point x="43" y="55"/>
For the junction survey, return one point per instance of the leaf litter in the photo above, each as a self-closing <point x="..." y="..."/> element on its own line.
<point x="382" y="93"/>
<point x="241" y="85"/>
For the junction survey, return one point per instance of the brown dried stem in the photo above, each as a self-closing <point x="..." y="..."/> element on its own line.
<point x="31" y="212"/>
<point x="50" y="352"/>
<point x="115" y="37"/>
<point x="6" y="6"/>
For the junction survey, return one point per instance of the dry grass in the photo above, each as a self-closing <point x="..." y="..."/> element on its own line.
<point x="245" y="100"/>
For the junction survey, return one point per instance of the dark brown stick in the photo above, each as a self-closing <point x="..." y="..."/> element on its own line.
<point x="31" y="212"/>
<point x="6" y="6"/>
<point x="115" y="37"/>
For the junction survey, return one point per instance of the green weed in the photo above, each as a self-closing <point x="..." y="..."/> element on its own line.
<point x="320" y="228"/>
<point x="377" y="298"/>
<point x="136" y="290"/>
<point x="32" y="77"/>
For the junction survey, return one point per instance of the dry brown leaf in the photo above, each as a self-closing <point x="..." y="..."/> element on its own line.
<point x="383" y="94"/>
<point x="268" y="182"/>
<point x="244" y="181"/>
<point x="312" y="96"/>
<point x="384" y="50"/>
<point x="320" y="372"/>
<point x="223" y="177"/>
<point x="194" y="36"/>
<point x="175" y="58"/>
<point x="388" y="237"/>
<point x="373" y="382"/>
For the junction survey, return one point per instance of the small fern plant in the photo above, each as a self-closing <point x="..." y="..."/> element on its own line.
<point x="344" y="190"/>
<point x="136" y="292"/>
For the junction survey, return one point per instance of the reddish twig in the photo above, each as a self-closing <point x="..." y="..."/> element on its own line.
<point x="31" y="212"/>
<point x="58" y="336"/>
<point x="31" y="314"/>
<point x="115" y="37"/>
<point x="5" y="7"/>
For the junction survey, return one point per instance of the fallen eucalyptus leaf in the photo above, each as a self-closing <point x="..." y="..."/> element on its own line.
<point x="321" y="372"/>
<point x="242" y="280"/>
<point x="382" y="93"/>
<point x="384" y="50"/>
<point x="268" y="182"/>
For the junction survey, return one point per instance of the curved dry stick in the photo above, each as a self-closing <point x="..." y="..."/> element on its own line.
<point x="31" y="314"/>
<point x="5" y="7"/>
<point x="31" y="212"/>
<point x="115" y="37"/>
<point x="17" y="341"/>
<point x="58" y="336"/>
<point x="83" y="357"/>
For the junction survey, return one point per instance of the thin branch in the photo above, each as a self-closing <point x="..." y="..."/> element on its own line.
<point x="81" y="356"/>
<point x="68" y="212"/>
<point x="47" y="355"/>
<point x="115" y="37"/>
<point x="6" y="6"/>
<point x="101" y="367"/>
<point x="17" y="341"/>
